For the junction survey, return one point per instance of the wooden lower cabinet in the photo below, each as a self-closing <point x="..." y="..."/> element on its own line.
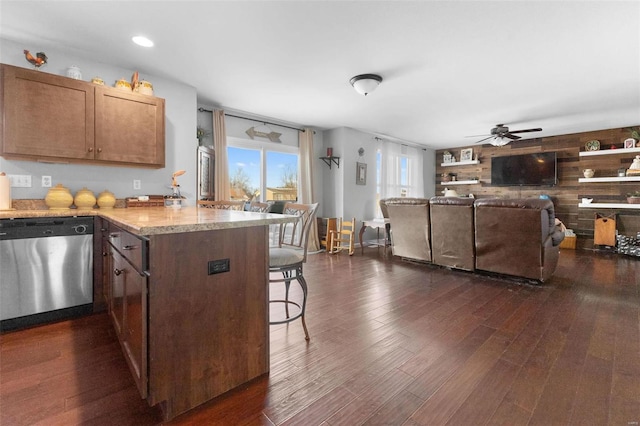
<point x="192" y="334"/>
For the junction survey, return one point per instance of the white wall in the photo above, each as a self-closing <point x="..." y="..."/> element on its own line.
<point x="181" y="142"/>
<point x="342" y="196"/>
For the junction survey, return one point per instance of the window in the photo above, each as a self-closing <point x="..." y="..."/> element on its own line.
<point x="262" y="171"/>
<point x="398" y="172"/>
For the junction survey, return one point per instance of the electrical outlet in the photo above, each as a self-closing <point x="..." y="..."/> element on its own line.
<point x="20" y="181"/>
<point x="46" y="181"/>
<point x="136" y="184"/>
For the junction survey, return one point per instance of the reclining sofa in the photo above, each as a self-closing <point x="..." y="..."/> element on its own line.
<point x="516" y="237"/>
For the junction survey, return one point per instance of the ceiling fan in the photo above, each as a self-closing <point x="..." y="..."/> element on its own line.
<point x="500" y="135"/>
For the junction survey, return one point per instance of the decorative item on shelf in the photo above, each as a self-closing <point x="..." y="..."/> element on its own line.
<point x="629" y="143"/>
<point x="588" y="173"/>
<point x="84" y="199"/>
<point x="74" y="72"/>
<point x="134" y="81"/>
<point x="59" y="197"/>
<point x="466" y="154"/>
<point x="633" y="197"/>
<point x="622" y="172"/>
<point x="329" y="152"/>
<point x="201" y="133"/>
<point x="587" y="200"/>
<point x="446" y="177"/>
<point x="39" y="60"/>
<point x="634" y="133"/>
<point x="446" y="157"/>
<point x="122" y="84"/>
<point x="106" y="200"/>
<point x="634" y="168"/>
<point x="593" y="145"/>
<point x="145" y="88"/>
<point x="450" y="192"/>
<point x="98" y="81"/>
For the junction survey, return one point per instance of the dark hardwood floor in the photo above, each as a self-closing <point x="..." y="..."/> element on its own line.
<point x="392" y="343"/>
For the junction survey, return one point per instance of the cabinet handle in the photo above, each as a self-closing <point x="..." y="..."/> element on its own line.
<point x="90" y="149"/>
<point x="99" y="149"/>
<point x="129" y="247"/>
<point x="117" y="271"/>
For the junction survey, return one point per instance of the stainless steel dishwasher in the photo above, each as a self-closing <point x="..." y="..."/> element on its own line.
<point x="46" y="270"/>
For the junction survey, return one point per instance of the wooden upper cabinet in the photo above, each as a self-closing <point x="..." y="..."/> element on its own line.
<point x="48" y="117"/>
<point x="128" y="127"/>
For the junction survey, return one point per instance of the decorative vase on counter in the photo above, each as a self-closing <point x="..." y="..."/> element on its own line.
<point x="106" y="200"/>
<point x="59" y="197"/>
<point x="84" y="199"/>
<point x="588" y="173"/>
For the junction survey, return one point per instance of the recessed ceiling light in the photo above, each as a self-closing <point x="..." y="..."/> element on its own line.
<point x="142" y="41"/>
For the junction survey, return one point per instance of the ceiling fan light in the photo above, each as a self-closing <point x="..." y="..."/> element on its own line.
<point x="365" y="83"/>
<point x="499" y="141"/>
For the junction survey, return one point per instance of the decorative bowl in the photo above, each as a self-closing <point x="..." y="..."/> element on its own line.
<point x="58" y="197"/>
<point x="84" y="199"/>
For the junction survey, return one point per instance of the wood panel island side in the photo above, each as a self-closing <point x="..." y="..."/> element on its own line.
<point x="187" y="290"/>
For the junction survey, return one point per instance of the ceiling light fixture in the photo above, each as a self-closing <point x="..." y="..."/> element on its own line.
<point x="142" y="41"/>
<point x="499" y="141"/>
<point x="365" y="83"/>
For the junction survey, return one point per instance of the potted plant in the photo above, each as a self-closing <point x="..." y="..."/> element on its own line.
<point x="633" y="197"/>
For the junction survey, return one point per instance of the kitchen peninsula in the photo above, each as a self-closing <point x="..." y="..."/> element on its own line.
<point x="187" y="291"/>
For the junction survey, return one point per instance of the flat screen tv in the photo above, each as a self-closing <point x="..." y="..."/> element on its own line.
<point x="527" y="169"/>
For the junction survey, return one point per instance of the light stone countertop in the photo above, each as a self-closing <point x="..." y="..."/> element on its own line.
<point x="162" y="220"/>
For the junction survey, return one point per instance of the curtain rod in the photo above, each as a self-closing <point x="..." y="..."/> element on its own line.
<point x="253" y="119"/>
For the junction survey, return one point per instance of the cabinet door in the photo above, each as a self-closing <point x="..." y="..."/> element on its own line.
<point x="129" y="127"/>
<point x="117" y="291"/>
<point x="135" y="343"/>
<point x="46" y="115"/>
<point x="129" y="315"/>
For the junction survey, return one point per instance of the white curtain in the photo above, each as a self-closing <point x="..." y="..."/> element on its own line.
<point x="391" y="173"/>
<point x="221" y="179"/>
<point x="305" y="141"/>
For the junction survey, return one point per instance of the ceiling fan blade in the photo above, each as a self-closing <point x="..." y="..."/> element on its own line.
<point x="512" y="137"/>
<point x="477" y="136"/>
<point x="489" y="137"/>
<point x="527" y="130"/>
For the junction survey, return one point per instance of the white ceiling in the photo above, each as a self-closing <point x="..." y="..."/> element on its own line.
<point x="451" y="69"/>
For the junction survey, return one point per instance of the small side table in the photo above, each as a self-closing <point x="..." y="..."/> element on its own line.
<point x="377" y="224"/>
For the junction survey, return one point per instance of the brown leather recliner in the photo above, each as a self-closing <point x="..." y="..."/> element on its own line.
<point x="516" y="237"/>
<point x="409" y="221"/>
<point x="452" y="232"/>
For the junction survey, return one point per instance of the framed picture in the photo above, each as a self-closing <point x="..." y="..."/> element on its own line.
<point x="206" y="157"/>
<point x="466" y="154"/>
<point x="361" y="173"/>
<point x="630" y="143"/>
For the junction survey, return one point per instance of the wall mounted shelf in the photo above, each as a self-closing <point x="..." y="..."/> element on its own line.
<point x="611" y="179"/>
<point x="610" y="152"/>
<point x="460" y="182"/>
<point x="329" y="160"/>
<point x="460" y="163"/>
<point x="609" y="206"/>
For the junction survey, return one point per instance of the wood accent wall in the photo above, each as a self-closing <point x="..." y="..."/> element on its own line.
<point x="568" y="192"/>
